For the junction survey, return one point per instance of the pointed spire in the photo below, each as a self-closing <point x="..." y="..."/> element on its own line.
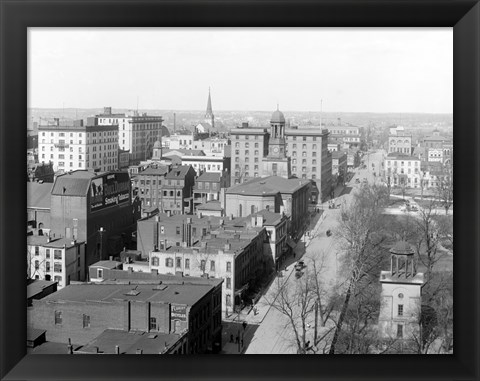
<point x="209" y="105"/>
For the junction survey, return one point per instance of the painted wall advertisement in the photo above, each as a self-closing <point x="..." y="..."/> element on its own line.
<point x="108" y="190"/>
<point x="179" y="313"/>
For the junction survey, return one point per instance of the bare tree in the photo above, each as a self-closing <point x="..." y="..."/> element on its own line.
<point x="445" y="188"/>
<point x="361" y="245"/>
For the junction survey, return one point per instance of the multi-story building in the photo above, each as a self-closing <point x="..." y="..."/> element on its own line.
<point x="61" y="260"/>
<point x="148" y="185"/>
<point x="275" y="194"/>
<point x="249" y="147"/>
<point x="350" y="135"/>
<point x="339" y="162"/>
<point x="95" y="208"/>
<point x="233" y="253"/>
<point x="180" y="306"/>
<point x="179" y="140"/>
<point x="206" y="163"/>
<point x="136" y="133"/>
<point x="77" y="146"/>
<point x="310" y="158"/>
<point x="401" y="143"/>
<point x="402" y="170"/>
<point x="210" y="186"/>
<point x="176" y="193"/>
<point x="301" y="153"/>
<point x="212" y="146"/>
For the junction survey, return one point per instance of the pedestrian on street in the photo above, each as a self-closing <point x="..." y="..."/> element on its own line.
<point x="231" y="338"/>
<point x="242" y="343"/>
<point x="244" y="325"/>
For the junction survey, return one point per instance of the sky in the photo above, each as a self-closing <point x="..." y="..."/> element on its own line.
<point x="247" y="69"/>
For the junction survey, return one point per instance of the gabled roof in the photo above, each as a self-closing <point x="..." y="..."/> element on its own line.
<point x="74" y="183"/>
<point x="38" y="195"/>
<point x="178" y="173"/>
<point x="210" y="176"/>
<point x="160" y="170"/>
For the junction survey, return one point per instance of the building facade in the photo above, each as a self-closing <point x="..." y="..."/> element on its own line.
<point x="97" y="209"/>
<point x="136" y="133"/>
<point x="210" y="186"/>
<point x="78" y="146"/>
<point x="401" y="296"/>
<point x="402" y="170"/>
<point x="83" y="312"/>
<point x="61" y="260"/>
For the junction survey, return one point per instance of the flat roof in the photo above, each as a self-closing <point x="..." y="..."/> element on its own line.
<point x="268" y="186"/>
<point x="209" y="176"/>
<point x="178" y="293"/>
<point x="107" y="264"/>
<point x="129" y="342"/>
<point x="37" y="286"/>
<point x="210" y="205"/>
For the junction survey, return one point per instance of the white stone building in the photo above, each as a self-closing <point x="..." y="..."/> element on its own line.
<point x="73" y="146"/>
<point x="61" y="260"/>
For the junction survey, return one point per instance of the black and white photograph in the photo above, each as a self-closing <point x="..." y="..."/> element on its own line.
<point x="240" y="191"/>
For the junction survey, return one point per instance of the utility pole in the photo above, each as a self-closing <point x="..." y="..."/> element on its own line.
<point x="101" y="231"/>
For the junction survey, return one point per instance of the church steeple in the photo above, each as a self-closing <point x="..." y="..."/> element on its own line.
<point x="209" y="117"/>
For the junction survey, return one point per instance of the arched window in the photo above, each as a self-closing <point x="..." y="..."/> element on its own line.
<point x="240" y="210"/>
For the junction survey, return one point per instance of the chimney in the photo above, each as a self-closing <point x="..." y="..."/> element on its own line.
<point x="56" y="121"/>
<point x="117" y="350"/>
<point x="110" y="258"/>
<point x="70" y="349"/>
<point x="130" y="269"/>
<point x="254" y="220"/>
<point x="228" y="246"/>
<point x="220" y="252"/>
<point x="244" y="124"/>
<point x="221" y="221"/>
<point x="154" y="271"/>
<point x="203" y="244"/>
<point x="138" y="352"/>
<point x="155" y="233"/>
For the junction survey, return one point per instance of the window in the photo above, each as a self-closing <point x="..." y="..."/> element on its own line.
<point x="212" y="265"/>
<point x="400" y="310"/>
<point x="202" y="265"/>
<point x="294" y="153"/>
<point x="47" y="266"/>
<point x="229" y="283"/>
<point x="229" y="300"/>
<point x="155" y="261"/>
<point x="229" y="266"/>
<point x="187" y="263"/>
<point x="58" y="317"/>
<point x="57" y="254"/>
<point x="179" y="262"/>
<point x="86" y="321"/>
<point x="178" y="229"/>
<point x="400" y="331"/>
<point x="304" y="146"/>
<point x="314" y="154"/>
<point x="37" y="250"/>
<point x="153" y="323"/>
<point x="99" y="273"/>
<point x="294" y="145"/>
<point x="169" y="262"/>
<point x="37" y="265"/>
<point x="57" y="267"/>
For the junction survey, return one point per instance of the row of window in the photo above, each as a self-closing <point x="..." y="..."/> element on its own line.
<point x="59" y="319"/>
<point x="57" y="267"/>
<point x="402" y="163"/>
<point x="155" y="261"/>
<point x="57" y="254"/>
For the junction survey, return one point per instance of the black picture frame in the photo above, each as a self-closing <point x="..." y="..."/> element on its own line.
<point x="17" y="16"/>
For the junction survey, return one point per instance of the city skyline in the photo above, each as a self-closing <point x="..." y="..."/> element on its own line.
<point x="395" y="70"/>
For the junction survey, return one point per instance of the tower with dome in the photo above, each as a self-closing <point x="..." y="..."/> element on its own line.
<point x="277" y="163"/>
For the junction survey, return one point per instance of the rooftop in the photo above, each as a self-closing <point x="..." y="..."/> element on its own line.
<point x="129" y="342"/>
<point x="38" y="195"/>
<point x="210" y="176"/>
<point x="401" y="156"/>
<point x="74" y="183"/>
<point x="37" y="286"/>
<point x="178" y="173"/>
<point x="159" y="171"/>
<point x="107" y="264"/>
<point x="268" y="186"/>
<point x="42" y="240"/>
<point x="211" y="205"/>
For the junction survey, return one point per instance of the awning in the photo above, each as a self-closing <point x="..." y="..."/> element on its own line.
<point x="241" y="289"/>
<point x="291" y="243"/>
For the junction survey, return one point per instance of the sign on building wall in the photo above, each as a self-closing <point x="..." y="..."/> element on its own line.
<point x="109" y="190"/>
<point x="179" y="313"/>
